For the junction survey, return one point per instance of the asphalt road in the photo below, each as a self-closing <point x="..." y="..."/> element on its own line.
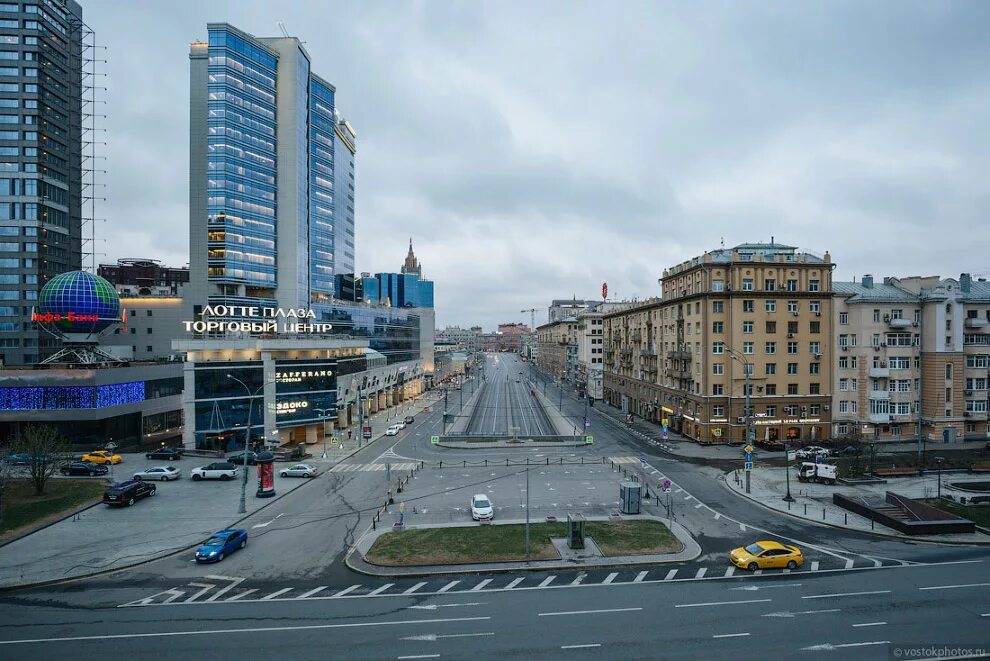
<point x="292" y="575"/>
<point x="505" y="402"/>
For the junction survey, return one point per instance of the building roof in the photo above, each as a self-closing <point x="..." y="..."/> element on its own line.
<point x="857" y="292"/>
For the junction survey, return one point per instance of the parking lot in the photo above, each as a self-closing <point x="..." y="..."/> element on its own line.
<point x="181" y="513"/>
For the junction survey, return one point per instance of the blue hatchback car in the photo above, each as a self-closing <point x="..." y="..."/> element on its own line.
<point x="221" y="544"/>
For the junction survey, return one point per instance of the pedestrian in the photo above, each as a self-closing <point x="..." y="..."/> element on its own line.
<point x="349" y="431"/>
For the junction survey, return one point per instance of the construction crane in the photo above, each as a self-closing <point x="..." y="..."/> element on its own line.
<point x="532" y="317"/>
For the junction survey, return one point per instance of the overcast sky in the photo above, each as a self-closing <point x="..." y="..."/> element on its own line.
<point x="535" y="150"/>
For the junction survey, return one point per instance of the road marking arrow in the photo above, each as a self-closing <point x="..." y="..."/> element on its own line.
<point x="767" y="587"/>
<point x="433" y="607"/>
<point x="433" y="637"/>
<point x="789" y="614"/>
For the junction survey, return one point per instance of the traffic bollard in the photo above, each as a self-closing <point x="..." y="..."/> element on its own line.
<point x="806" y="509"/>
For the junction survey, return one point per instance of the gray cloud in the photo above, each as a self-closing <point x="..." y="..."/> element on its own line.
<point x="534" y="150"/>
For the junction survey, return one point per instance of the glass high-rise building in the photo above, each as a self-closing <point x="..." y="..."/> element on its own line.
<point x="263" y="196"/>
<point x="343" y="167"/>
<point x="40" y="163"/>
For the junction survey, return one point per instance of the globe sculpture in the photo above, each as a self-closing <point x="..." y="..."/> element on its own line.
<point x="77" y="307"/>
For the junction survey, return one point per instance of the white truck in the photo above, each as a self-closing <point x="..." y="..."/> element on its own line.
<point x="812" y="472"/>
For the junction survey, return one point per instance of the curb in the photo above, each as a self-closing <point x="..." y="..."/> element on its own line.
<point x="725" y="484"/>
<point x="113" y="570"/>
<point x="476" y="568"/>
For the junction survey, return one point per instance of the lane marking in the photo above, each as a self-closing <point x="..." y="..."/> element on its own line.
<point x="723" y="603"/>
<point x="640" y="576"/>
<point x="579" y="579"/>
<point x="869" y="624"/>
<point x="224" y="590"/>
<point x="849" y="563"/>
<point x="380" y="589"/>
<point x="814" y="565"/>
<point x="730" y="635"/>
<point x="948" y="587"/>
<point x="479" y="585"/>
<point x="547" y="581"/>
<point x="418" y="656"/>
<point x="415" y="587"/>
<point x="742" y="526"/>
<point x="346" y="591"/>
<point x="845" y="594"/>
<point x="275" y="594"/>
<point x="206" y="588"/>
<point x="699" y="506"/>
<point x="242" y="594"/>
<point x="829" y="646"/>
<point x="717" y="516"/>
<point x="610" y="578"/>
<point x="304" y="595"/>
<point x="578" y="647"/>
<point x="701" y="572"/>
<point x="789" y="614"/>
<point x="514" y="583"/>
<point x="730" y="571"/>
<point x="670" y="574"/>
<point x="604" y="610"/>
<point x="447" y="587"/>
<point x="303" y="627"/>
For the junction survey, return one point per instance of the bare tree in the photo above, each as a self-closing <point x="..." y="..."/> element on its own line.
<point x="44" y="449"/>
<point x="5" y="472"/>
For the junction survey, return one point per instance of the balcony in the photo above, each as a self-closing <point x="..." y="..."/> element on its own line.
<point x="880" y="418"/>
<point x="977" y="322"/>
<point x="881" y="372"/>
<point x="679" y="355"/>
<point x="880" y="395"/>
<point x="897" y="322"/>
<point x="648" y="352"/>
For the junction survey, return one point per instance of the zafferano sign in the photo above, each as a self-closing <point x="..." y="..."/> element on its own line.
<point x="250" y="319"/>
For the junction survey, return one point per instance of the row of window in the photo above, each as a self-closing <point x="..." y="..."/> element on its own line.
<point x="770" y="348"/>
<point x="768" y="389"/>
<point x="770" y="327"/>
<point x="770" y="369"/>
<point x="769" y="284"/>
<point x="790" y="410"/>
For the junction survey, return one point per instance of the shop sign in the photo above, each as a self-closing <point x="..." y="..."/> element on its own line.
<point x="297" y="376"/>
<point x="290" y="406"/>
<point x="253" y="319"/>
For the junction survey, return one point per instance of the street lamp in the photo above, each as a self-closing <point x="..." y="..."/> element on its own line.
<point x="787" y="472"/>
<point x="247" y="438"/>
<point x="938" y="462"/>
<point x="325" y="414"/>
<point x="747" y="372"/>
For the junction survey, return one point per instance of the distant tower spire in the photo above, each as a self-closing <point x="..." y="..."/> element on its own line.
<point x="411" y="264"/>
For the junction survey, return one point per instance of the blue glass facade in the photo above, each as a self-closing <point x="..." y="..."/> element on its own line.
<point x="321" y="186"/>
<point x="241" y="161"/>
<point x="392" y="332"/>
<point x="402" y="290"/>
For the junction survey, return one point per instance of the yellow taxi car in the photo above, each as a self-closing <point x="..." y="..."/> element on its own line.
<point x="766" y="555"/>
<point x="102" y="457"/>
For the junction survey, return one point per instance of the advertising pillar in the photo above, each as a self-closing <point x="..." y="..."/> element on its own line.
<point x="266" y="475"/>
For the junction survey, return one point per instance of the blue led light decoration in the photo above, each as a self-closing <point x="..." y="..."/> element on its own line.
<point x="77" y="307"/>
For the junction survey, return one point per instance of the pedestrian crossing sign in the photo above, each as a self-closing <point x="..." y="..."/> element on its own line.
<point x="435" y="440"/>
<point x="589" y="440"/>
<point x="749" y="465"/>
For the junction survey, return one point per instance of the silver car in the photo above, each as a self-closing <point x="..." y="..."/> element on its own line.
<point x="160" y="473"/>
<point x="299" y="470"/>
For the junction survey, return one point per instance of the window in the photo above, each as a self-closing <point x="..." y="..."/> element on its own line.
<point x="718" y="285"/>
<point x="718" y="306"/>
<point x="771" y="389"/>
<point x="748" y="369"/>
<point x="718" y="368"/>
<point x="770" y="347"/>
<point x="844" y="318"/>
<point x="792" y="389"/>
<point x="747" y="326"/>
<point x="815" y="389"/>
<point x="876" y="316"/>
<point x="843" y="340"/>
<point x="815" y="368"/>
<point x="770" y="284"/>
<point x="843" y="384"/>
<point x="748" y="348"/>
<point x="771" y="327"/>
<point x="792" y="368"/>
<point x="948" y="370"/>
<point x="792" y="348"/>
<point x="815" y="348"/>
<point x="718" y="327"/>
<point x="948" y="395"/>
<point x="718" y="348"/>
<point x="771" y="369"/>
<point x="792" y="285"/>
<point x="853" y="385"/>
<point x="978" y="361"/>
<point x="843" y="362"/>
<point x="843" y="406"/>
<point x="816" y="327"/>
<point x="717" y="389"/>
<point x="815" y="306"/>
<point x="813" y="285"/>
<point x="718" y="411"/>
<point x="771" y="410"/>
<point x="853" y="362"/>
<point x="771" y="306"/>
<point x="792" y="306"/>
<point x="747" y="284"/>
<point x="748" y="305"/>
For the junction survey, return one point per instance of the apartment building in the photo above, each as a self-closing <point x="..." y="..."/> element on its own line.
<point x="912" y="358"/>
<point x="557" y="347"/>
<point x="751" y="321"/>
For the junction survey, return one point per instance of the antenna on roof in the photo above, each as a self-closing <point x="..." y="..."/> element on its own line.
<point x="281" y="26"/>
<point x="722" y="241"/>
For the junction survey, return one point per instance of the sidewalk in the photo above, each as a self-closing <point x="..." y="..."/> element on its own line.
<point x="813" y="502"/>
<point x="356" y="558"/>
<point x="180" y="516"/>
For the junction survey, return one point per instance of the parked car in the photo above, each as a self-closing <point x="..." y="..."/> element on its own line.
<point x="170" y="454"/>
<point x="221" y="544"/>
<point x="409" y="420"/>
<point x="238" y="459"/>
<point x="127" y="493"/>
<point x="24" y="459"/>
<point x="393" y="430"/>
<point x="160" y="473"/>
<point x="481" y="508"/>
<point x="83" y="468"/>
<point x="218" y="470"/>
<point x="299" y="470"/>
<point x="102" y="457"/>
<point x="401" y="424"/>
<point x="766" y="555"/>
<point x="812" y="451"/>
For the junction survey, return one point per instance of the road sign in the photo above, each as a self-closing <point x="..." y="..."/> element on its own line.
<point x="748" y="449"/>
<point x="334" y="440"/>
<point x="748" y="457"/>
<point x="665" y="435"/>
<point x="665" y="422"/>
<point x="749" y="465"/>
<point x="666" y="485"/>
<point x="642" y="461"/>
<point x="587" y="423"/>
<point x="666" y="429"/>
<point x="589" y="440"/>
<point x="435" y="440"/>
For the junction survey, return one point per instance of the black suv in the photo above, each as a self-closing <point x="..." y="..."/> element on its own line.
<point x="125" y="493"/>
<point x="171" y="454"/>
<point x="238" y="459"/>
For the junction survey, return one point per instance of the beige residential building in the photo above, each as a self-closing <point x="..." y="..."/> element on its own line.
<point x="912" y="358"/>
<point x="557" y="344"/>
<point x="756" y="318"/>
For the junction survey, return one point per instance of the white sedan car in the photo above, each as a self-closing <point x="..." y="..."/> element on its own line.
<point x="393" y="430"/>
<point x="160" y="473"/>
<point x="299" y="470"/>
<point x="481" y="508"/>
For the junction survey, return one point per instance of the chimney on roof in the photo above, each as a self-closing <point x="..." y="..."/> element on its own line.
<point x="965" y="281"/>
<point x="868" y="281"/>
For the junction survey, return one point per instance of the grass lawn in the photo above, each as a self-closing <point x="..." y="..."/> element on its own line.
<point x="21" y="508"/>
<point x="500" y="543"/>
<point x="978" y="513"/>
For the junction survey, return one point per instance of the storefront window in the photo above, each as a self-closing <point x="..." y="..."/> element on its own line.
<point x="793" y="433"/>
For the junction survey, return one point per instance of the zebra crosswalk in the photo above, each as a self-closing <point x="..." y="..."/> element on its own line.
<point x="344" y="468"/>
<point x="623" y="460"/>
